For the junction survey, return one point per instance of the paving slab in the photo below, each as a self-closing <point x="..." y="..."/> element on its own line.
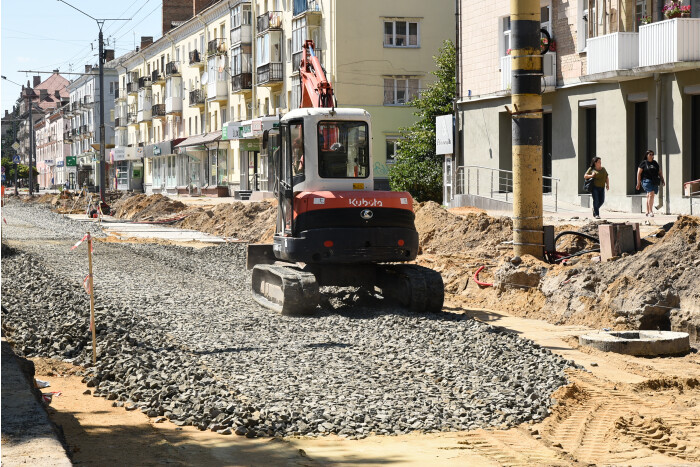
<point x="28" y="436"/>
<point x="112" y="225"/>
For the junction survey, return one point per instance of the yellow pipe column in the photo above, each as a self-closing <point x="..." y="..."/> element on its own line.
<point x="526" y="111"/>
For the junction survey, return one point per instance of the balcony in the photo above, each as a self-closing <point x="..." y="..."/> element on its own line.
<point x="67" y="136"/>
<point x="132" y="88"/>
<point x="173" y="105"/>
<point x="297" y="56"/>
<point x="549" y="64"/>
<point x="158" y="111"/>
<point x="131" y="118"/>
<point x="197" y="98"/>
<point x="612" y="52"/>
<point x="119" y="94"/>
<point x="119" y="122"/>
<point x="172" y="69"/>
<point x="144" y="115"/>
<point x="144" y="82"/>
<point x="87" y="100"/>
<point x="217" y="89"/>
<point x="671" y="41"/>
<point x="73" y="106"/>
<point x="196" y="59"/>
<point x="157" y="77"/>
<point x="216" y="47"/>
<point x="269" y="20"/>
<point x="242" y="34"/>
<point x="309" y="8"/>
<point x="270" y="74"/>
<point x="242" y="82"/>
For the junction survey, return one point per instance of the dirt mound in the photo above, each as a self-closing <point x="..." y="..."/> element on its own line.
<point x="647" y="290"/>
<point x="251" y="222"/>
<point x="443" y="232"/>
<point x="141" y="207"/>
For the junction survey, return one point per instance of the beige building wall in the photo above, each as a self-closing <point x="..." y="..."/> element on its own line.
<point x="619" y="99"/>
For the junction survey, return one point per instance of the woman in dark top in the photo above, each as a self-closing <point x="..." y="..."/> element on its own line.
<point x="649" y="176"/>
<point x="601" y="182"/>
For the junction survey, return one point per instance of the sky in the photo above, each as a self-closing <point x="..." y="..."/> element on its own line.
<point x="43" y="35"/>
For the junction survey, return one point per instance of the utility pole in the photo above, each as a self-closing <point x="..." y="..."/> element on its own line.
<point x="100" y="23"/>
<point x="526" y="99"/>
<point x="103" y="171"/>
<point x="32" y="147"/>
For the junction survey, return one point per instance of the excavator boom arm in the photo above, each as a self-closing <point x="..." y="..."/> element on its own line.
<point x="316" y="90"/>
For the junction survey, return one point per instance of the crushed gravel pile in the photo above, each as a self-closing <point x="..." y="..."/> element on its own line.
<point x="180" y="337"/>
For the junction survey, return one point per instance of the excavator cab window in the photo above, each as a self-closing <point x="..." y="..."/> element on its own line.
<point x="283" y="181"/>
<point x="343" y="149"/>
<point x="296" y="140"/>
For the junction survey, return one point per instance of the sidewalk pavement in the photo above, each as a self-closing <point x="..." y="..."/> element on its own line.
<point x="28" y="436"/>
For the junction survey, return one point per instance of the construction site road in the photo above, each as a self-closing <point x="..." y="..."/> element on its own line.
<point x="178" y="337"/>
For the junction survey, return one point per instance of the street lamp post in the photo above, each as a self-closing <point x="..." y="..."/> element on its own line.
<point x="100" y="23"/>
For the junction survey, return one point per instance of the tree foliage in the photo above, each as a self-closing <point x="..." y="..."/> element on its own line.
<point x="22" y="170"/>
<point x="418" y="169"/>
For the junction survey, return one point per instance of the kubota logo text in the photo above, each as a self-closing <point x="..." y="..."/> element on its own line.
<point x="362" y="203"/>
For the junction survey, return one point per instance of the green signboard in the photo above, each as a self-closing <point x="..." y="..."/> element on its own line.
<point x="250" y="144"/>
<point x="224" y="132"/>
<point x="71" y="161"/>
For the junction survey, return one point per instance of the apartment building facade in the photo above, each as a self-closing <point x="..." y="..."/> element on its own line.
<point x="83" y="127"/>
<point x="45" y="97"/>
<point x="621" y="79"/>
<point x="51" y="148"/>
<point x="196" y="102"/>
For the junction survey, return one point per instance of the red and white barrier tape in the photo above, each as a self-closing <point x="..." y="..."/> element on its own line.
<point x="80" y="241"/>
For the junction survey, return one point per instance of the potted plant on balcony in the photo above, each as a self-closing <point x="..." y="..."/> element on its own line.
<point x="646" y="20"/>
<point x="674" y="9"/>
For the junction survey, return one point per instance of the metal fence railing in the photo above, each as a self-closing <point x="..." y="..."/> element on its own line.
<point x="497" y="184"/>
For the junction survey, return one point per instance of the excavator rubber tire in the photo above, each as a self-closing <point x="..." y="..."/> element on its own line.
<point x="285" y="289"/>
<point x="417" y="288"/>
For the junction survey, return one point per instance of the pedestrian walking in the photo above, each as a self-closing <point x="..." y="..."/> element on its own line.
<point x="649" y="176"/>
<point x="601" y="182"/>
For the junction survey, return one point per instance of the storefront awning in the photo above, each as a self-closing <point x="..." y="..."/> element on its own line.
<point x="200" y="140"/>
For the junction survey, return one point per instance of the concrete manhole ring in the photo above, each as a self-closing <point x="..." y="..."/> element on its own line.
<point x="641" y="343"/>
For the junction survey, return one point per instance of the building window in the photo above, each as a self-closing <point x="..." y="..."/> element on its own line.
<point x="640" y="12"/>
<point x="400" y="91"/>
<point x="401" y="34"/>
<point x="505" y="36"/>
<point x="391" y="147"/>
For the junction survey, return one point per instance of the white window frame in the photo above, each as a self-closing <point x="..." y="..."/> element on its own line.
<point x="391" y="139"/>
<point x="393" y="44"/>
<point x="399" y="83"/>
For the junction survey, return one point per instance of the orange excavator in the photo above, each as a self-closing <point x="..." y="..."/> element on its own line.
<point x="332" y="228"/>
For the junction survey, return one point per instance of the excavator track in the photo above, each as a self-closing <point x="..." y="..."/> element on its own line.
<point x="419" y="289"/>
<point x="285" y="289"/>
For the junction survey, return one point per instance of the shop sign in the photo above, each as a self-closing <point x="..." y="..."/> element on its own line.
<point x="250" y="145"/>
<point x="139" y="152"/>
<point x="130" y="153"/>
<point x="119" y="154"/>
<point x="256" y="126"/>
<point x="71" y="161"/>
<point x="156" y="150"/>
<point x="48" y="161"/>
<point x="59" y="163"/>
<point x="246" y="129"/>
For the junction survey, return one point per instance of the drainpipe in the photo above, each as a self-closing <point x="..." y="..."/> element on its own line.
<point x="659" y="147"/>
<point x="458" y="95"/>
<point x="206" y="64"/>
<point x="254" y="71"/>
